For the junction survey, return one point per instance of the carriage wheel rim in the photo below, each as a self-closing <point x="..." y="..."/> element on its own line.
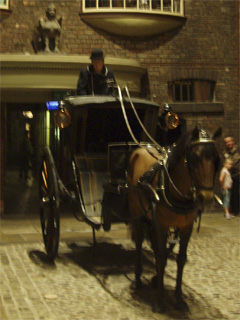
<point x="49" y="212"/>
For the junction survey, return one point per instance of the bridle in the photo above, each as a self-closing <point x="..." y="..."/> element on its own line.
<point x="202" y="140"/>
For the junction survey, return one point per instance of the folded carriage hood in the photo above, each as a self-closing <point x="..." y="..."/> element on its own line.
<point x="76" y="101"/>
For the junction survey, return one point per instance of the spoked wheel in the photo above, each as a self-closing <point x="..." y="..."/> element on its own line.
<point x="49" y="204"/>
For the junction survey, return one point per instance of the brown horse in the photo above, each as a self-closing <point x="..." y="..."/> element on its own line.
<point x="169" y="192"/>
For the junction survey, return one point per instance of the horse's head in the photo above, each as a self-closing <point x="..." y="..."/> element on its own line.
<point x="203" y="160"/>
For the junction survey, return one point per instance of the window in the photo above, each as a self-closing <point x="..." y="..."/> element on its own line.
<point x="167" y="4"/>
<point x="90" y="3"/>
<point x="4" y="4"/>
<point x="191" y="90"/>
<point x="173" y="7"/>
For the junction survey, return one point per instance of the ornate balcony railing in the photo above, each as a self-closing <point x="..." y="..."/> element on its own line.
<point x="167" y="7"/>
<point x="134" y="18"/>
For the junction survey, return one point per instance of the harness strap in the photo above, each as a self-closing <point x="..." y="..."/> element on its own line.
<point x="162" y="186"/>
<point x="149" y="175"/>
<point x="182" y="209"/>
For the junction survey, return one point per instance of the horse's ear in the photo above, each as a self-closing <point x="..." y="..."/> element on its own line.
<point x="195" y="133"/>
<point x="217" y="134"/>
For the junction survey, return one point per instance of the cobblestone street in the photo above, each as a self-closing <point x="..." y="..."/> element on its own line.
<point x="93" y="283"/>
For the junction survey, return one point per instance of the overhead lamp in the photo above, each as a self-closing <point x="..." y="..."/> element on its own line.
<point x="28" y="114"/>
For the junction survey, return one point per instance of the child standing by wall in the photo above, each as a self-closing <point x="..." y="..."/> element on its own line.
<point x="225" y="180"/>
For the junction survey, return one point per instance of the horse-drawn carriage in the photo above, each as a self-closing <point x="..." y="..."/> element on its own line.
<point x="89" y="169"/>
<point x="109" y="167"/>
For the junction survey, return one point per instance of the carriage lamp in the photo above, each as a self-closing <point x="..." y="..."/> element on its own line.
<point x="62" y="118"/>
<point x="171" y="120"/>
<point x="168" y="119"/>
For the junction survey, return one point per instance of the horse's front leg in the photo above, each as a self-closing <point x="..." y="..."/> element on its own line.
<point x="138" y="238"/>
<point x="161" y="261"/>
<point x="185" y="235"/>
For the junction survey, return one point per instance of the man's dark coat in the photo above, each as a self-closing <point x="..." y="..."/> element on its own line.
<point x="92" y="83"/>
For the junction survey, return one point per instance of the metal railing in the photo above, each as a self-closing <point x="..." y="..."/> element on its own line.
<point x="171" y="7"/>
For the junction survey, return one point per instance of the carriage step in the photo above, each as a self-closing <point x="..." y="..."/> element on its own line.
<point x="94" y="222"/>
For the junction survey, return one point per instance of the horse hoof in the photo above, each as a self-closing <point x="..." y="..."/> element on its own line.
<point x="158" y="308"/>
<point x="154" y="282"/>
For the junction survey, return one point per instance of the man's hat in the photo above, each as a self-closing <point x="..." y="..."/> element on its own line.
<point x="97" y="54"/>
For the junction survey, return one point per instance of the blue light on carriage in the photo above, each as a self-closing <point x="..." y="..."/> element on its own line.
<point x="52" y="105"/>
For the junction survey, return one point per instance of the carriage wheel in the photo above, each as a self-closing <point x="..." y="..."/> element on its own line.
<point x="49" y="200"/>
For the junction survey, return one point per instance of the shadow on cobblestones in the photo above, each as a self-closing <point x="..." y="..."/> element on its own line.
<point x="105" y="258"/>
<point x="113" y="267"/>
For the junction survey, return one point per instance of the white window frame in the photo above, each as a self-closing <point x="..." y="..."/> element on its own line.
<point x="4" y="4"/>
<point x="138" y="8"/>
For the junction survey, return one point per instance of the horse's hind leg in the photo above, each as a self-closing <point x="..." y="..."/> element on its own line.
<point x="161" y="261"/>
<point x="153" y="240"/>
<point x="181" y="260"/>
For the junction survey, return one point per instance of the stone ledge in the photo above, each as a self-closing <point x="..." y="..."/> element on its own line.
<point x="64" y="61"/>
<point x="207" y="107"/>
<point x="60" y="71"/>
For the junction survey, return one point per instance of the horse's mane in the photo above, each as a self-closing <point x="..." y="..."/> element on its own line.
<point x="179" y="150"/>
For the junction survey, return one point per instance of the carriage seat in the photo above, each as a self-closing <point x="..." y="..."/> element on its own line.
<point x="92" y="171"/>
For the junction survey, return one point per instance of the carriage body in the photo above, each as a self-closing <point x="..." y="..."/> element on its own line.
<point x="88" y="170"/>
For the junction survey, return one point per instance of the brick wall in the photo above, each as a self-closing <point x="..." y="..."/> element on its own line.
<point x="2" y="157"/>
<point x="207" y="42"/>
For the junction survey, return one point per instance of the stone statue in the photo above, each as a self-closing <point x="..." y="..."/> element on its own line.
<point x="50" y="30"/>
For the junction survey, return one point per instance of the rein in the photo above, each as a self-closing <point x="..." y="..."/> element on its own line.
<point x="143" y="181"/>
<point x="158" y="147"/>
<point x="162" y="189"/>
<point x="159" y="194"/>
<point x="173" y="185"/>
